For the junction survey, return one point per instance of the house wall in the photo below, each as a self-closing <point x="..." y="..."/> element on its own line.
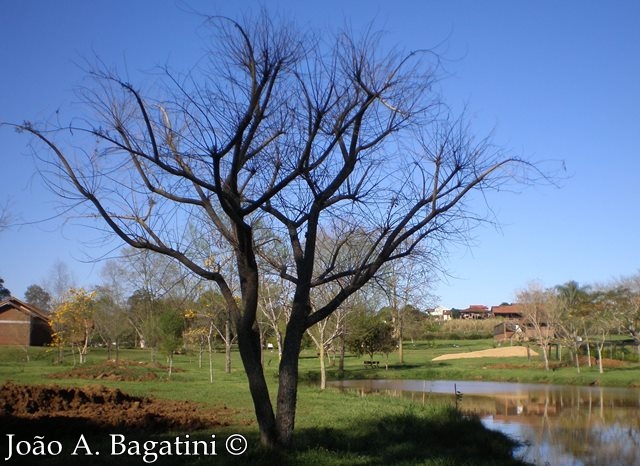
<point x="40" y="333"/>
<point x="15" y="328"/>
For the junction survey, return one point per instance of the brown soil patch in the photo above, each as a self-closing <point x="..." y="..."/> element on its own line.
<point x="103" y="408"/>
<point x="606" y="363"/>
<point x="507" y="352"/>
<point x="131" y="371"/>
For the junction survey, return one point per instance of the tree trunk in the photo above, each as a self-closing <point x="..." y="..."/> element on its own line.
<point x="288" y="379"/>
<point x="342" y="351"/>
<point x="323" y="370"/>
<point x="227" y="345"/>
<point x="599" y="348"/>
<point x="545" y="350"/>
<point x="210" y="345"/>
<point x="250" y="352"/>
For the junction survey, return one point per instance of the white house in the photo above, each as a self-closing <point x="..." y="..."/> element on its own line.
<point x="440" y="313"/>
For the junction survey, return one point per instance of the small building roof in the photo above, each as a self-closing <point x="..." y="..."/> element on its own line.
<point x="507" y="309"/>
<point x="26" y="308"/>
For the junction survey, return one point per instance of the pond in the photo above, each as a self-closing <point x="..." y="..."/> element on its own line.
<point x="556" y="424"/>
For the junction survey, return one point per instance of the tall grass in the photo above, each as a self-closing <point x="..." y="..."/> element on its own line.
<point x="462" y="329"/>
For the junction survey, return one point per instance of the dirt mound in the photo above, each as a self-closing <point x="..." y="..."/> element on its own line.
<point x="606" y="363"/>
<point x="104" y="407"/>
<point x="131" y="371"/>
<point x="507" y="352"/>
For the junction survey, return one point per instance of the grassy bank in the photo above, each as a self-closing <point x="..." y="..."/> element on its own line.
<point x="418" y="365"/>
<point x="332" y="427"/>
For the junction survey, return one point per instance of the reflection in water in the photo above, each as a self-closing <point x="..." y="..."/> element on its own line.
<point x="558" y="425"/>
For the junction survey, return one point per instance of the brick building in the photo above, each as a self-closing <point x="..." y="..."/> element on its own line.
<point x="23" y="324"/>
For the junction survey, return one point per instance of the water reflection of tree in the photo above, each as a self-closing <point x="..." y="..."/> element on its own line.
<point x="576" y="425"/>
<point x="588" y="425"/>
<point x="561" y="424"/>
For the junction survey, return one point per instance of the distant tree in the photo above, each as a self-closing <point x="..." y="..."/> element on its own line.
<point x="213" y="315"/>
<point x="59" y="281"/>
<point x="73" y="321"/>
<point x="574" y="314"/>
<point x="200" y="331"/>
<point x="414" y="323"/>
<point x="398" y="281"/>
<point x="4" y="292"/>
<point x="369" y="334"/>
<point x="111" y="321"/>
<point x="324" y="334"/>
<point x="627" y="295"/>
<point x="38" y="296"/>
<point x="171" y="325"/>
<point x="607" y="305"/>
<point x="540" y="312"/>
<point x="143" y="310"/>
<point x="275" y="307"/>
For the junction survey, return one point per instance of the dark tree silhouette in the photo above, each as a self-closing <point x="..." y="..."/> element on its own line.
<point x="4" y="292"/>
<point x="281" y="139"/>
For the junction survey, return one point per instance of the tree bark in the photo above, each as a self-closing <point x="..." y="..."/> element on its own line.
<point x="323" y="370"/>
<point x="249" y="346"/>
<point x="227" y="344"/>
<point x="342" y="350"/>
<point x="288" y="380"/>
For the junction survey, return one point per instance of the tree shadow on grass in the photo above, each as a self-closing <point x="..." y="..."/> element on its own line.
<point x="410" y="438"/>
<point x="404" y="439"/>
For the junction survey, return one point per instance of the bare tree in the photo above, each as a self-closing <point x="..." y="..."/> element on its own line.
<point x="405" y="281"/>
<point x="216" y="318"/>
<point x="325" y="332"/>
<point x="574" y="306"/>
<point x="275" y="299"/>
<point x="147" y="280"/>
<point x="286" y="134"/>
<point x="59" y="281"/>
<point x="539" y="313"/>
<point x="626" y="293"/>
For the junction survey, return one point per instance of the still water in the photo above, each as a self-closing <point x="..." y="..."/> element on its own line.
<point x="557" y="425"/>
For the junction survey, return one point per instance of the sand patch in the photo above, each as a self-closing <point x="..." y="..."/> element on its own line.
<point x="507" y="352"/>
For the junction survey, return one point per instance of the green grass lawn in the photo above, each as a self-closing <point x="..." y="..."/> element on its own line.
<point x="331" y="427"/>
<point x="418" y="365"/>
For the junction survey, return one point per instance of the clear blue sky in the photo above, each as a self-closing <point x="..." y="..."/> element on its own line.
<point x="556" y="80"/>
